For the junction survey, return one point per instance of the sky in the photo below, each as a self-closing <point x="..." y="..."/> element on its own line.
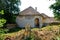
<point x="42" y="6"/>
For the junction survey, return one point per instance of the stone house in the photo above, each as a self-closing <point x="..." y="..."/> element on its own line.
<point x="31" y="16"/>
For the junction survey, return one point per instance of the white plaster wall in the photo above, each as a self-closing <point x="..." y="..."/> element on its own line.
<point x="47" y="20"/>
<point x="23" y="21"/>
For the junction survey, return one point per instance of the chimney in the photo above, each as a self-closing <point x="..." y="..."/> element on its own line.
<point x="36" y="8"/>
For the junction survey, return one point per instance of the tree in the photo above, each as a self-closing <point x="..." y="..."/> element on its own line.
<point x="10" y="8"/>
<point x="56" y="9"/>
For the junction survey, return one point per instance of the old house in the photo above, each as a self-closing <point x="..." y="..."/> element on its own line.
<point x="31" y="16"/>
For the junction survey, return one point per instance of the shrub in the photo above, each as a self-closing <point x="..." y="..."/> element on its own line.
<point x="2" y="22"/>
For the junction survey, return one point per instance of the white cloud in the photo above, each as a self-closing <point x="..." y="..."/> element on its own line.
<point x="42" y="5"/>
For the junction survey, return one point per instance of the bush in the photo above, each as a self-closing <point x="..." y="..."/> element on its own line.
<point x="3" y="31"/>
<point x="2" y="22"/>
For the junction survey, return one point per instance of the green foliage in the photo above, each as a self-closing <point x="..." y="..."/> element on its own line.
<point x="10" y="5"/>
<point x="58" y="38"/>
<point x="32" y="36"/>
<point x="10" y="8"/>
<point x="56" y="9"/>
<point x="2" y="22"/>
<point x="2" y="12"/>
<point x="3" y="31"/>
<point x="2" y="37"/>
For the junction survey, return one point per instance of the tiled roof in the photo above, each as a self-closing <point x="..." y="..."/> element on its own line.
<point x="32" y="11"/>
<point x="28" y="11"/>
<point x="44" y="15"/>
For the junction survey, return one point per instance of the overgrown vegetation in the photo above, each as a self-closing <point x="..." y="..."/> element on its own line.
<point x="2" y="22"/>
<point x="9" y="9"/>
<point x="46" y="33"/>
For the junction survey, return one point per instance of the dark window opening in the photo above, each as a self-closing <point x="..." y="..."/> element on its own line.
<point x="37" y="22"/>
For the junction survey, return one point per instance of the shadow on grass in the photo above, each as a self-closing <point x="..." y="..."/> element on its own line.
<point x="14" y="29"/>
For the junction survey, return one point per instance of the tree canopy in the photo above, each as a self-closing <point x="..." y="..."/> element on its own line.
<point x="56" y="9"/>
<point x="10" y="8"/>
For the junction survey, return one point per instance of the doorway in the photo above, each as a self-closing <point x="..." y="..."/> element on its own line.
<point x="37" y="22"/>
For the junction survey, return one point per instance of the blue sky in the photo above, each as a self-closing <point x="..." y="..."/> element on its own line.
<point x="42" y="6"/>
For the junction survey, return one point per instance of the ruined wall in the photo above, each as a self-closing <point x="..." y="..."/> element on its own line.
<point x="23" y="20"/>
